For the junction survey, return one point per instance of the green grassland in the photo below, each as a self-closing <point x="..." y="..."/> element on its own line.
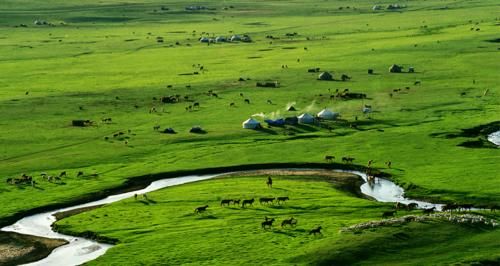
<point x="164" y="230"/>
<point x="101" y="59"/>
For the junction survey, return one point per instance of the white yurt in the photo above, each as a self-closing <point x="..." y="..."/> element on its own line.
<point x="327" y="114"/>
<point x="306" y="118"/>
<point x="251" y="124"/>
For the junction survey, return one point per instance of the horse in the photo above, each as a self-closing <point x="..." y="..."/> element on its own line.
<point x="226" y="202"/>
<point x="429" y="210"/>
<point x="201" y="209"/>
<point x="266" y="200"/>
<point x="247" y="202"/>
<point x="292" y="222"/>
<point x="63" y="173"/>
<point x="400" y="205"/>
<point x="236" y="202"/>
<point x="196" y="104"/>
<point x="80" y="173"/>
<point x="347" y="159"/>
<point x="389" y="164"/>
<point x="247" y="101"/>
<point x="282" y="199"/>
<point x="329" y="158"/>
<point x="268" y="223"/>
<point x="388" y="214"/>
<point x="157" y="127"/>
<point x="231" y="105"/>
<point x="412" y="206"/>
<point x="316" y="230"/>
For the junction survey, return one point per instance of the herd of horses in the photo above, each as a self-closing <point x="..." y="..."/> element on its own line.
<point x="25" y="179"/>
<point x="268" y="222"/>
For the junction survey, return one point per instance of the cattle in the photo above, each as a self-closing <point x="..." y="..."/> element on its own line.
<point x="201" y="209"/>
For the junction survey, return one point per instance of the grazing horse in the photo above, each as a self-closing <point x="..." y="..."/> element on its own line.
<point x="247" y="101"/>
<point x="412" y="206"/>
<point x="80" y="173"/>
<point x="429" y="210"/>
<point x="266" y="200"/>
<point x="247" y="202"/>
<point x="196" y="105"/>
<point x="267" y="223"/>
<point x="231" y="105"/>
<point x="269" y="102"/>
<point x="269" y="182"/>
<point x="282" y="199"/>
<point x="388" y="214"/>
<point x="347" y="159"/>
<point x="316" y="230"/>
<point x="292" y="222"/>
<point x="226" y="202"/>
<point x="236" y="202"/>
<point x="400" y="205"/>
<point x="63" y="173"/>
<point x="329" y="158"/>
<point x="201" y="209"/>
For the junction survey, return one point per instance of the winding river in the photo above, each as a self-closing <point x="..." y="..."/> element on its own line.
<point x="81" y="250"/>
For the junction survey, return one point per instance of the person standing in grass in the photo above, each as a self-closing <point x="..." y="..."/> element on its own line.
<point x="269" y="182"/>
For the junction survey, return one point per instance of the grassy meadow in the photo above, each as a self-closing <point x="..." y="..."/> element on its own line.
<point x="102" y="59"/>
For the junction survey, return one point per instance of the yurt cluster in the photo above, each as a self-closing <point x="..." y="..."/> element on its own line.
<point x="304" y="118"/>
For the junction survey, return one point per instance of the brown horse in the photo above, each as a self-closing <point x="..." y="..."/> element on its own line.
<point x="316" y="230"/>
<point x="201" y="209"/>
<point x="292" y="222"/>
<point x="388" y="214"/>
<point x="267" y="223"/>
<point x="329" y="158"/>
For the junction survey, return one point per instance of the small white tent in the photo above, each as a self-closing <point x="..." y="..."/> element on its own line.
<point x="251" y="124"/>
<point x="327" y="114"/>
<point x="306" y="118"/>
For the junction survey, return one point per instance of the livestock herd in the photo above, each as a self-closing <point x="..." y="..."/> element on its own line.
<point x="268" y="222"/>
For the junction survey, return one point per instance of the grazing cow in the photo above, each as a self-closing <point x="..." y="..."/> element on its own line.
<point x="201" y="209"/>
<point x="267" y="223"/>
<point x="329" y="158"/>
<point x="269" y="182"/>
<point x="266" y="200"/>
<point x="292" y="222"/>
<point x="247" y="202"/>
<point x="226" y="202"/>
<point x="388" y="214"/>
<point x="429" y="210"/>
<point x="236" y="202"/>
<point x="316" y="231"/>
<point x="80" y="173"/>
<point x="247" y="101"/>
<point x="282" y="199"/>
<point x="62" y="174"/>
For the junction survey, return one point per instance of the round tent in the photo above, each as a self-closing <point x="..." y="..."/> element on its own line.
<point x="325" y="76"/>
<point x="306" y="118"/>
<point x="251" y="124"/>
<point x="327" y="114"/>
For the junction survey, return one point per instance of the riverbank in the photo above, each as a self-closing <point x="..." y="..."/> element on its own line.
<point x="18" y="249"/>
